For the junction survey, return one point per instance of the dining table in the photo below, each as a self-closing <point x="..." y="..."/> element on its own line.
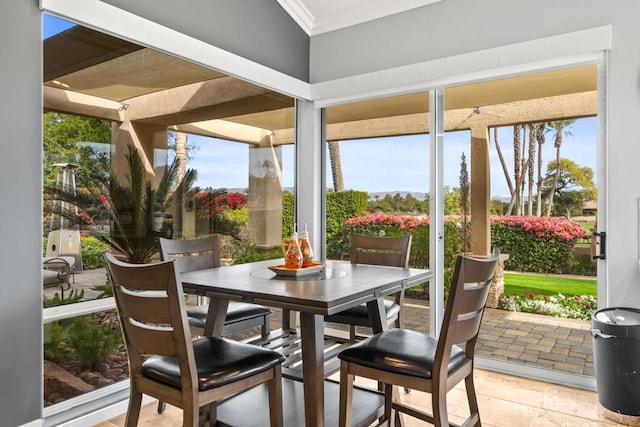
<point x="327" y="289"/>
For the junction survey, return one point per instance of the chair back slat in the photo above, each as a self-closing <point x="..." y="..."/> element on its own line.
<point x="467" y="298"/>
<point x="193" y="254"/>
<point x="150" y="304"/>
<point x="151" y="340"/>
<point x="475" y="296"/>
<point x="144" y="307"/>
<point x="465" y="327"/>
<point x="388" y="251"/>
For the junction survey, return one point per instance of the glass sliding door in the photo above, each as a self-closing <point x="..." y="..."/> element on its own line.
<point x="377" y="178"/>
<point x="530" y="145"/>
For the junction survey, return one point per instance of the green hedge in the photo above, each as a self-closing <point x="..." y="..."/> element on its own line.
<point x="341" y="206"/>
<point x="398" y="225"/>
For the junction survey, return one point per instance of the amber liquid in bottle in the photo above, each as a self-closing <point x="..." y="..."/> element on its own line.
<point x="293" y="257"/>
<point x="305" y="247"/>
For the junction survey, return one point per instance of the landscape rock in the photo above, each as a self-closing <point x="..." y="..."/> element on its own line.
<point x="58" y="383"/>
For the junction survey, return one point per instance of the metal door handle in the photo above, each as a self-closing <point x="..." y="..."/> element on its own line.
<point x="602" y="243"/>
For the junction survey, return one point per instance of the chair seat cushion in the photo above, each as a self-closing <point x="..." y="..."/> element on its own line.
<point x="400" y="351"/>
<point x="219" y="361"/>
<point x="236" y="312"/>
<point x="359" y="315"/>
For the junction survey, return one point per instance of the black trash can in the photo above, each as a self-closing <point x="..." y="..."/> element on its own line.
<point x="616" y="353"/>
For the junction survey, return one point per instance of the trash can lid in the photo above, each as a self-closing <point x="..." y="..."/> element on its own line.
<point x="618" y="321"/>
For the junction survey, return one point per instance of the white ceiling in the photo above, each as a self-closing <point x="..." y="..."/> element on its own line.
<point x="321" y="16"/>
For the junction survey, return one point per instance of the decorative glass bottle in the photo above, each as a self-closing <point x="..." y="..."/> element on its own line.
<point x="293" y="257"/>
<point x="305" y="247"/>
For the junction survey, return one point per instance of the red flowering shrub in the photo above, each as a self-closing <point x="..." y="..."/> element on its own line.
<point x="536" y="244"/>
<point x="418" y="227"/>
<point x="209" y="206"/>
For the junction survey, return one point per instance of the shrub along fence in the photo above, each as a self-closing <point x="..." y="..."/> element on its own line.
<point x="535" y="244"/>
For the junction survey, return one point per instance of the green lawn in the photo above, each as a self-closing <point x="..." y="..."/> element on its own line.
<point x="519" y="284"/>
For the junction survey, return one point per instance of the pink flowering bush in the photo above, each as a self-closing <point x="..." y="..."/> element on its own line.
<point x="418" y="227"/>
<point x="536" y="244"/>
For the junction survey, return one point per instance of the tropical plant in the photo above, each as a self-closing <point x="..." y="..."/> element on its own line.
<point x="560" y="127"/>
<point x="517" y="171"/>
<point x="503" y="163"/>
<point x="131" y="207"/>
<point x="464" y="204"/>
<point x="540" y="128"/>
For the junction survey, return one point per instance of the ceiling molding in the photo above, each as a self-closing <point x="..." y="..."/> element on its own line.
<point x="321" y="16"/>
<point x="299" y="12"/>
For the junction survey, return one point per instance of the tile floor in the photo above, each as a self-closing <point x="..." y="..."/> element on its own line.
<point x="505" y="401"/>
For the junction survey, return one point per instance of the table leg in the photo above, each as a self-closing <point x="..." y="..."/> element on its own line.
<point x="289" y="319"/>
<point x="377" y="315"/>
<point x="216" y="317"/>
<point x="312" y="336"/>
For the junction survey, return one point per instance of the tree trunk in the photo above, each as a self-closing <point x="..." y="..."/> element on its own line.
<point x="181" y="155"/>
<point x="336" y="166"/>
<point x="178" y="202"/>
<point x="516" y="169"/>
<point x="507" y="177"/>
<point x="557" y="144"/>
<point x="532" y="155"/>
<point x="540" y="141"/>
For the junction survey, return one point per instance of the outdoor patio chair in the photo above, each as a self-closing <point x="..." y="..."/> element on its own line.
<point x="388" y="251"/>
<point x="56" y="272"/>
<point x="198" y="254"/>
<point x="165" y="363"/>
<point x="402" y="357"/>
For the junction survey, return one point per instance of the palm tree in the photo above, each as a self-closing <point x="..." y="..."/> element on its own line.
<point x="507" y="177"/>
<point x="530" y="159"/>
<point x="130" y="207"/>
<point x="181" y="155"/>
<point x="560" y="127"/>
<point x="515" y="196"/>
<point x="181" y="166"/>
<point x="540" y="140"/>
<point x="336" y="166"/>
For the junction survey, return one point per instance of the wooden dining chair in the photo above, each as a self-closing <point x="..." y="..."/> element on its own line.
<point x="387" y="251"/>
<point x="201" y="253"/>
<point x="164" y="362"/>
<point x="402" y="357"/>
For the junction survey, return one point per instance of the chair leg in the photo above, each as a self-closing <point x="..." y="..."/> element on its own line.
<point x="352" y="332"/>
<point x="388" y="403"/>
<point x="439" y="403"/>
<point x="161" y="406"/>
<point x="275" y="398"/>
<point x="133" y="413"/>
<point x="471" y="397"/>
<point x="213" y="413"/>
<point x="190" y="415"/>
<point x="265" y="329"/>
<point x="346" y="395"/>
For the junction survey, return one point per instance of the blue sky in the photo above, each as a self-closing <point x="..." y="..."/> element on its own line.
<point x="391" y="164"/>
<point x="381" y="164"/>
<point x="53" y="25"/>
